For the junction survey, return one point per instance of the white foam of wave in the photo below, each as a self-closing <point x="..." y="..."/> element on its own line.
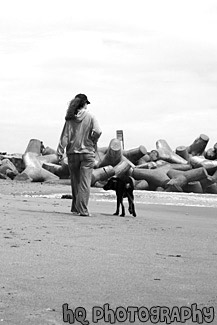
<point x="149" y="197"/>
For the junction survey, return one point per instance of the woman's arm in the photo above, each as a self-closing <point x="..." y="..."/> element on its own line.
<point x="96" y="131"/>
<point x="63" y="140"/>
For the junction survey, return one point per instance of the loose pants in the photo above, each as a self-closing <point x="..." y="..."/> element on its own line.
<point x="80" y="168"/>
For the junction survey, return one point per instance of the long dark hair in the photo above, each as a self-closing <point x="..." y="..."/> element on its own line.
<point x="73" y="108"/>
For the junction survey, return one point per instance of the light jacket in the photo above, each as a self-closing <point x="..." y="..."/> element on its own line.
<point x="79" y="135"/>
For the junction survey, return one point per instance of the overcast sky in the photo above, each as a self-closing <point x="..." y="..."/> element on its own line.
<point x="148" y="67"/>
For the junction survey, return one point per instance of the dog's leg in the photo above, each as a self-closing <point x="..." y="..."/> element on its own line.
<point x="130" y="204"/>
<point x="118" y="205"/>
<point x="122" y="206"/>
<point x="130" y="197"/>
<point x="134" y="212"/>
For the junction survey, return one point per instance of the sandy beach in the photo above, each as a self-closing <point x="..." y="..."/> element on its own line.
<point x="166" y="256"/>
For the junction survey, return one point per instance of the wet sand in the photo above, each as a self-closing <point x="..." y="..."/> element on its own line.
<point x="166" y="256"/>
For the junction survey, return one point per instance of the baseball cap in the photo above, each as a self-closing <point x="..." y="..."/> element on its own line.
<point x="83" y="97"/>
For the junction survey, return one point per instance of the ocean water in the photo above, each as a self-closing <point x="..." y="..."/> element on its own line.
<point x="148" y="197"/>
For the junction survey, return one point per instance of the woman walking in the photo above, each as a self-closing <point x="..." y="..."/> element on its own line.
<point x="79" y="136"/>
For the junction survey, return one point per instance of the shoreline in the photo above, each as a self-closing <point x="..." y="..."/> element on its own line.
<point x="52" y="190"/>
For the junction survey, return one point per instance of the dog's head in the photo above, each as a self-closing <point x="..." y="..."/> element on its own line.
<point x="111" y="184"/>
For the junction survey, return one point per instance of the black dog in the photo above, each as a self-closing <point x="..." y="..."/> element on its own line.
<point x="123" y="188"/>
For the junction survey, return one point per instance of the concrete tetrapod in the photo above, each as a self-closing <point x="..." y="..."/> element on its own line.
<point x="16" y="159"/>
<point x="166" y="153"/>
<point x="182" y="151"/>
<point x="193" y="187"/>
<point x="141" y="185"/>
<point x="51" y="158"/>
<point x="179" y="179"/>
<point x="198" y="146"/>
<point x="61" y="169"/>
<point x="201" y="161"/>
<point x="55" y="169"/>
<point x="144" y="159"/>
<point x="164" y="165"/>
<point x="34" y="170"/>
<point x="102" y="174"/>
<point x="123" y="167"/>
<point x="135" y="154"/>
<point x="155" y="177"/>
<point x="212" y="188"/>
<point x="210" y="154"/>
<point x="35" y="146"/>
<point x="112" y="156"/>
<point x="48" y="151"/>
<point x="206" y="182"/>
<point x="7" y="168"/>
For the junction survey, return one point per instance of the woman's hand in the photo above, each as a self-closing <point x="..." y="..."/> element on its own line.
<point x="60" y="157"/>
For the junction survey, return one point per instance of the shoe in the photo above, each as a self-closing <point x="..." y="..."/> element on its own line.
<point x="75" y="213"/>
<point x="84" y="214"/>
